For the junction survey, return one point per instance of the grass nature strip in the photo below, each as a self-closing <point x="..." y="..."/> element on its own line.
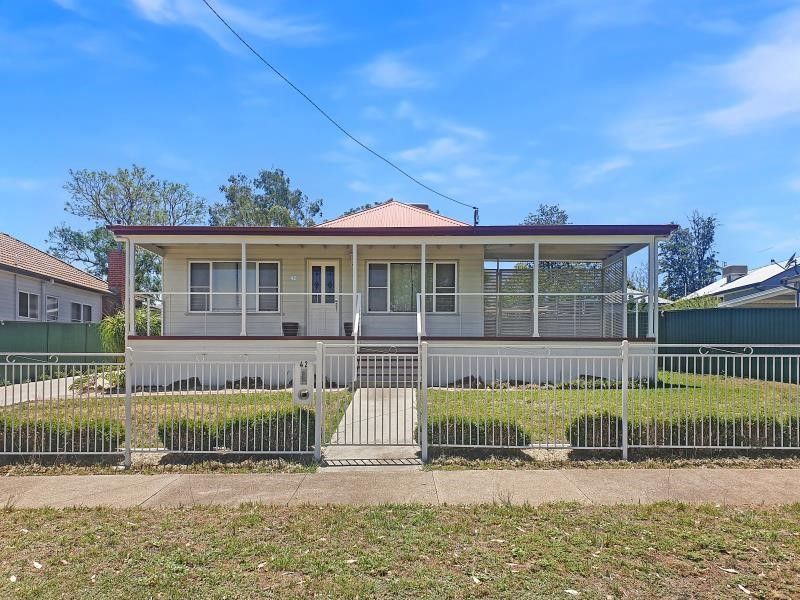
<point x="490" y="551"/>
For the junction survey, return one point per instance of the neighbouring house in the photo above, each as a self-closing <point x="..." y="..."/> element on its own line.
<point x="771" y="286"/>
<point x="394" y="274"/>
<point x="37" y="287"/>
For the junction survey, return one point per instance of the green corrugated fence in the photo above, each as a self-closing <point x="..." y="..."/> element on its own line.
<point x="53" y="338"/>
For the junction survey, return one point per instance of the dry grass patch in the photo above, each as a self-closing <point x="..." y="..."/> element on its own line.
<point x="657" y="551"/>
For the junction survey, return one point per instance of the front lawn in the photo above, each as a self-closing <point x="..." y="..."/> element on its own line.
<point x="519" y="415"/>
<point x="553" y="551"/>
<point x="152" y="409"/>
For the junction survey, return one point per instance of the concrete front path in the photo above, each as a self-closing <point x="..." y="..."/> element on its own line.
<point x="731" y="487"/>
<point x="378" y="416"/>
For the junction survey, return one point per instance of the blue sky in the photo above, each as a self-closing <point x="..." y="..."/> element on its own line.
<point x="623" y="112"/>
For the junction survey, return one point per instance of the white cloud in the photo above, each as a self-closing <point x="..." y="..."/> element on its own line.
<point x="767" y="78"/>
<point x="758" y="86"/>
<point x="654" y="132"/>
<point x="794" y="184"/>
<point x="436" y="150"/>
<point x="391" y="72"/>
<point x="588" y="174"/>
<point x="718" y="26"/>
<point x="359" y="186"/>
<point x="20" y="184"/>
<point x="67" y="4"/>
<point x="193" y="13"/>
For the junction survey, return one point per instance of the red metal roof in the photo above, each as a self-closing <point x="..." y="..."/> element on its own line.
<point x="19" y="257"/>
<point x="450" y="231"/>
<point x="394" y="214"/>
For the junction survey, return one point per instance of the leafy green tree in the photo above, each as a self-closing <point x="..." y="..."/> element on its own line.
<point x="547" y="214"/>
<point x="266" y="200"/>
<point x="688" y="259"/>
<point x="126" y="197"/>
<point x="355" y="209"/>
<point x="693" y="303"/>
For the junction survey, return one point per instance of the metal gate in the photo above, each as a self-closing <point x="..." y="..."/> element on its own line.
<point x="369" y="397"/>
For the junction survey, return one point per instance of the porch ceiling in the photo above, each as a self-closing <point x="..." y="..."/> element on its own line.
<point x="558" y="251"/>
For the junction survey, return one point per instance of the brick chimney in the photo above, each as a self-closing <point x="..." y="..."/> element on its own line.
<point x="116" y="280"/>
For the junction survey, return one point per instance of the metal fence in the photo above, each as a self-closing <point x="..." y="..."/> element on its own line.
<point x="524" y="396"/>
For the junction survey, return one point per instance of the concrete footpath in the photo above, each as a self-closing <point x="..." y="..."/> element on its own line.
<point x="731" y="487"/>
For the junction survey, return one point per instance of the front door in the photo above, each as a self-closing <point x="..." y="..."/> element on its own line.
<point x="323" y="309"/>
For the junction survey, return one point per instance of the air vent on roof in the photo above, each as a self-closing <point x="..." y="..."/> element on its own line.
<point x="422" y="206"/>
<point x="734" y="272"/>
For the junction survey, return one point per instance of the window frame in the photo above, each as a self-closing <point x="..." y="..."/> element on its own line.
<point x="210" y="292"/>
<point x="28" y="305"/>
<point x="428" y="293"/>
<point x="48" y="310"/>
<point x="83" y="313"/>
<point x="72" y="306"/>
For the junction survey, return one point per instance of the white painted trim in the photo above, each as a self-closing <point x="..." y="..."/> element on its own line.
<point x="536" y="265"/>
<point x="261" y="240"/>
<point x="355" y="281"/>
<point x="423" y="298"/>
<point x="652" y="288"/>
<point x="625" y="296"/>
<point x="243" y="271"/>
<point x="130" y="286"/>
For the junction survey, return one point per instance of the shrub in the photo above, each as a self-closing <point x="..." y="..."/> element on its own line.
<point x="605" y="430"/>
<point x="476" y="432"/>
<point x="287" y="430"/>
<point x="186" y="435"/>
<point x="112" y="328"/>
<point x="61" y="436"/>
<point x="279" y="430"/>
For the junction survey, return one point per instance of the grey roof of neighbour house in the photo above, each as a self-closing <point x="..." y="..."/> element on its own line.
<point x="755" y="277"/>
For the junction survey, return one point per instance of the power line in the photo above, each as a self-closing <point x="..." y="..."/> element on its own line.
<point x="335" y="123"/>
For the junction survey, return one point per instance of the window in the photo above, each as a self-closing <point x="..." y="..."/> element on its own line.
<point x="378" y="288"/>
<point x="393" y="287"/>
<point x="52" y="308"/>
<point x="440" y="288"/>
<point x="80" y="313"/>
<point x="216" y="286"/>
<point x="28" y="305"/>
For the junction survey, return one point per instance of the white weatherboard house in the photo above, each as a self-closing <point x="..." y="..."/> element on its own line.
<point x="37" y="287"/>
<point x="395" y="274"/>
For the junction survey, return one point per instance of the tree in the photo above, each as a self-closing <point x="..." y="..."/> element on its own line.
<point x="547" y="214"/>
<point x="694" y="303"/>
<point x="638" y="278"/>
<point x="127" y="197"/>
<point x="355" y="209"/>
<point x="266" y="200"/>
<point x="688" y="258"/>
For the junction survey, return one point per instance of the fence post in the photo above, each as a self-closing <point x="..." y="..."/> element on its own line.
<point x="319" y="388"/>
<point x="128" y="406"/>
<point x="423" y="389"/>
<point x="625" y="385"/>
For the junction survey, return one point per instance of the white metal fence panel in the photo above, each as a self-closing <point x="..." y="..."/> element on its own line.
<point x="61" y="404"/>
<point x="237" y="403"/>
<point x="538" y="397"/>
<point x="716" y="397"/>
